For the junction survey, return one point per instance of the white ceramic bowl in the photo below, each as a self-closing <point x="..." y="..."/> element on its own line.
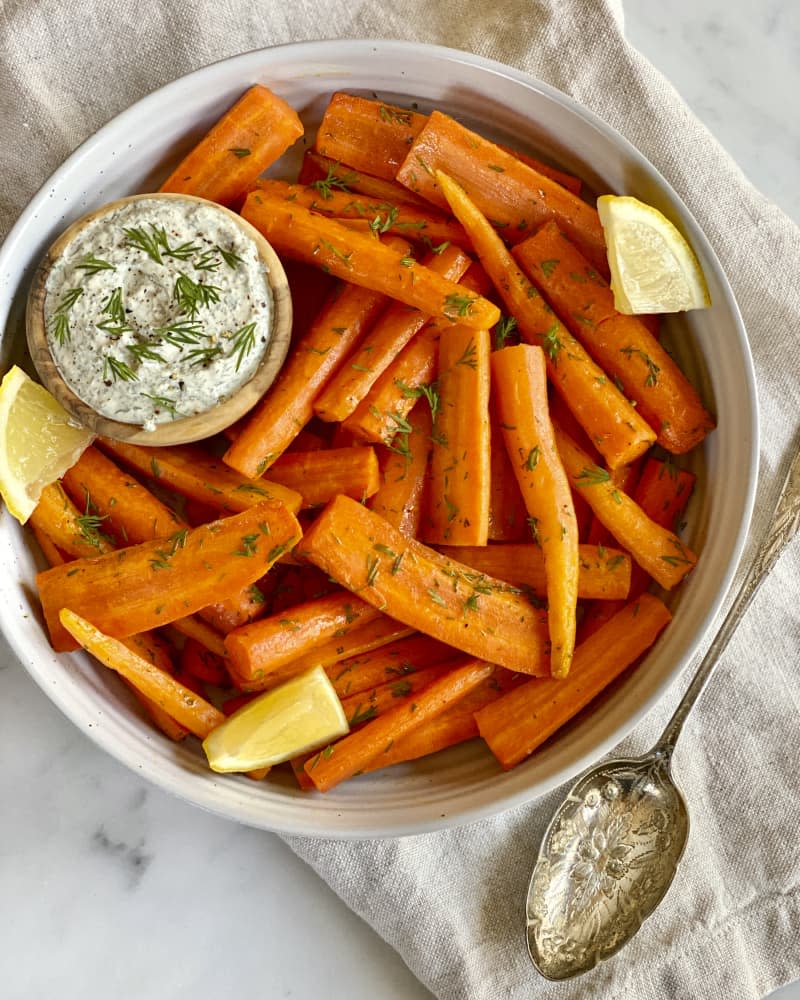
<point x="133" y="153"/>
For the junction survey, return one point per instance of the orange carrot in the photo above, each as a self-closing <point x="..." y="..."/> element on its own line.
<point x="248" y="138"/>
<point x="354" y="752"/>
<point x="320" y="475"/>
<point x="271" y="643"/>
<point x="390" y="662"/>
<point x="507" y="191"/>
<point x="76" y="534"/>
<point x="362" y="260"/>
<point x="153" y="649"/>
<point x="404" y="470"/>
<point x="624" y="478"/>
<point x="621" y="345"/>
<point x="382" y="344"/>
<point x="520" y="386"/>
<point x="655" y="549"/>
<point x="186" y="707"/>
<point x="604" y="573"/>
<point x="415" y="585"/>
<point x="507" y="514"/>
<point x="360" y="708"/>
<point x="568" y="181"/>
<point x="203" y="664"/>
<point x="161" y="720"/>
<point x="516" y="724"/>
<point x="51" y="552"/>
<point x="615" y="427"/>
<point x="154" y="583"/>
<point x="288" y="406"/>
<point x="460" y="473"/>
<point x="326" y="175"/>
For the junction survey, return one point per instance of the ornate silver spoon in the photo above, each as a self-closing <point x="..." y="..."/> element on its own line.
<point x="612" y="848"/>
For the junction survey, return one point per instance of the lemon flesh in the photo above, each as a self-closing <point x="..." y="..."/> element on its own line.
<point x="39" y="441"/>
<point x="299" y="716"/>
<point x="653" y="268"/>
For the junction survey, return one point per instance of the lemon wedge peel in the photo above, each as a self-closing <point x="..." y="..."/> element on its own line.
<point x="653" y="268"/>
<point x="299" y="716"/>
<point x="39" y="441"/>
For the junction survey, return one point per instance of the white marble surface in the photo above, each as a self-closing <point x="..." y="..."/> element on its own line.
<point x="111" y="888"/>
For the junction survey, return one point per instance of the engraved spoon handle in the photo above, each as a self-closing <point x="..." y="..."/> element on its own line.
<point x="785" y="524"/>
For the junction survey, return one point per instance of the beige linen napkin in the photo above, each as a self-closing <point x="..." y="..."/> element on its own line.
<point x="452" y="903"/>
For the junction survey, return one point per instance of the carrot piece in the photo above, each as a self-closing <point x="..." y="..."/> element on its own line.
<point x="415" y="585"/>
<point x="365" y="705"/>
<point x="362" y="260"/>
<point x="507" y="513"/>
<point x="655" y="549"/>
<point x="460" y="473"/>
<point x="154" y="583"/>
<point x="382" y="344"/>
<point x="520" y="385"/>
<point x="271" y="643"/>
<point x="624" y="478"/>
<point x="374" y="635"/>
<point x="162" y="720"/>
<point x="193" y="472"/>
<point x="76" y="534"/>
<point x="604" y="573"/>
<point x="51" y="552"/>
<point x="187" y="708"/>
<point x="568" y="181"/>
<point x="354" y="752"/>
<point x="248" y="138"/>
<point x="390" y="662"/>
<point x="368" y="135"/>
<point x="326" y="175"/>
<point x="201" y="663"/>
<point x="154" y="649"/>
<point x="615" y="427"/>
<point x="621" y="345"/>
<point x="404" y="471"/>
<point x="509" y="192"/>
<point x="258" y="774"/>
<point x="288" y="406"/>
<point x="320" y="475"/>
<point x="516" y="724"/>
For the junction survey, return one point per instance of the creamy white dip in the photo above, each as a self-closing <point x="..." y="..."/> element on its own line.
<point x="158" y="310"/>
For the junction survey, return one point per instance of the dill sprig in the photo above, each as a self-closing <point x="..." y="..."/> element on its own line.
<point x="144" y="352"/>
<point x="182" y="331"/>
<point x="231" y="259"/>
<point x="92" y="264"/>
<point x="191" y="295"/>
<point x="166" y="404"/>
<point x="244" y="340"/>
<point x="203" y="355"/>
<point x="458" y="305"/>
<point x="117" y="370"/>
<point x="333" y="180"/>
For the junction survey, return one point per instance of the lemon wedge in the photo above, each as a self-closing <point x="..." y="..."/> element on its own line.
<point x="39" y="441"/>
<point x="301" y="715"/>
<point x="653" y="268"/>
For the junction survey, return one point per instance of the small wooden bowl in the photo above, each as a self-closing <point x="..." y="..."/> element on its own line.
<point x="184" y="429"/>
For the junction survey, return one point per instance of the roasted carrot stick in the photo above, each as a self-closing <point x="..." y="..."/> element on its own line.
<point x="326" y="176"/>
<point x="51" y="552"/>
<point x="155" y="650"/>
<point x="507" y="514"/>
<point x="603" y="573"/>
<point x="382" y="344"/>
<point x="354" y="752"/>
<point x="248" y="138"/>
<point x="615" y="427"/>
<point x="192" y="627"/>
<point x="516" y="724"/>
<point x="568" y="181"/>
<point x="460" y="473"/>
<point x="193" y="472"/>
<point x="186" y="707"/>
<point x="76" y="534"/>
<point x="203" y="664"/>
<point x="365" y="705"/>
<point x="655" y="549"/>
<point x="320" y="475"/>
<point x="404" y="471"/>
<point x="390" y="662"/>
<point x="362" y="260"/>
<point x="519" y="382"/>
<point x="621" y="345"/>
<point x="505" y="190"/>
<point x="288" y="406"/>
<point x="415" y="585"/>
<point x="624" y="478"/>
<point x="156" y="582"/>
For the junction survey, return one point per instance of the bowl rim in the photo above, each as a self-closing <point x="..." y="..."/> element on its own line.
<point x="238" y="806"/>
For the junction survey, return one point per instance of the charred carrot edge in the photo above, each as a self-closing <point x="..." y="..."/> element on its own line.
<point x="76" y="534"/>
<point x="321" y="474"/>
<point x="271" y="643"/>
<point x="519" y="382"/>
<point x="248" y="138"/>
<point x="374" y="635"/>
<point x="326" y="175"/>
<point x="508" y="518"/>
<point x="415" y="585"/>
<point x="658" y="551"/>
<point x="604" y="573"/>
<point x="382" y="344"/>
<point x="621" y="345"/>
<point x="288" y="405"/>
<point x="568" y="181"/>
<point x="156" y="582"/>
<point x="459" y="486"/>
<point x="516" y="724"/>
<point x="368" y="135"/>
<point x="362" y="260"/>
<point x="354" y="752"/>
<point x="189" y="709"/>
<point x="404" y="472"/>
<point x="365" y="705"/>
<point x="390" y="662"/>
<point x="507" y="191"/>
<point x="614" y="426"/>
